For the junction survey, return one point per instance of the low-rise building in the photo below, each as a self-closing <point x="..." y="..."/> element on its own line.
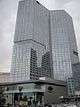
<point x="4" y="77"/>
<point x="35" y="91"/>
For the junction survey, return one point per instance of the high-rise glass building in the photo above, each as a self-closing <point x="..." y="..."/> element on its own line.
<point x="64" y="48"/>
<point x="31" y="51"/>
<point x="44" y="43"/>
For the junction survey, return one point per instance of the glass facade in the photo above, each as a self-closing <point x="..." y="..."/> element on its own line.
<point x="23" y="94"/>
<point x="44" y="43"/>
<point x="71" y="86"/>
<point x="31" y="51"/>
<point x="76" y="75"/>
<point x="21" y="62"/>
<point x="63" y="44"/>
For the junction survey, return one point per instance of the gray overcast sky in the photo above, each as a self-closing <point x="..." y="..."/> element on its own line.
<point x="8" y="11"/>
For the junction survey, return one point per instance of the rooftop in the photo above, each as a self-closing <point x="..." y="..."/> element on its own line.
<point x="52" y="82"/>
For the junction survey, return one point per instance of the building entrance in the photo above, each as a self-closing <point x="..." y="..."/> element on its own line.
<point x="30" y="99"/>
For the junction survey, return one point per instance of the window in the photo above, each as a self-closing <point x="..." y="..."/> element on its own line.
<point x="75" y="53"/>
<point x="38" y="2"/>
